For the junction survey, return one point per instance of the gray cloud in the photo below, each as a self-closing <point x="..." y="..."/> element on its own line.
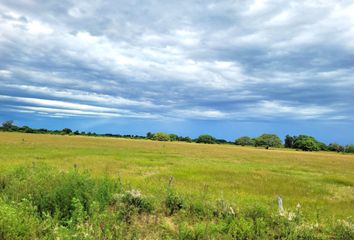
<point x="187" y="59"/>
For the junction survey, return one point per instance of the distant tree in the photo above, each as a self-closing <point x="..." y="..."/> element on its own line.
<point x="289" y="141"/>
<point x="185" y="139"/>
<point x="8" y="125"/>
<point x="27" y="129"/>
<point x="349" y="148"/>
<point x="149" y="135"/>
<point x="66" y="131"/>
<point x="173" y="137"/>
<point x="206" y="138"/>
<point x="76" y="132"/>
<point x="335" y="147"/>
<point x="221" y="141"/>
<point x="307" y="143"/>
<point x="245" y="141"/>
<point x="268" y="140"/>
<point x="161" y="136"/>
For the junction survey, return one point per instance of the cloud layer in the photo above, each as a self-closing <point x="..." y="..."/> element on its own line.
<point x="221" y="60"/>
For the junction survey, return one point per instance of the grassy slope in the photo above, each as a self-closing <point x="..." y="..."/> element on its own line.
<point x="321" y="182"/>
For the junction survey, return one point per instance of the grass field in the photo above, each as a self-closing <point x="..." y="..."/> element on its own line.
<point x="321" y="182"/>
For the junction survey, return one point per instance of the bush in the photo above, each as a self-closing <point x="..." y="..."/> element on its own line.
<point x="306" y="143"/>
<point x="205" y="138"/>
<point x="245" y="141"/>
<point x="134" y="198"/>
<point x="160" y="136"/>
<point x="173" y="202"/>
<point x="349" y="149"/>
<point x="268" y="140"/>
<point x="343" y="230"/>
<point x="17" y="221"/>
<point x="52" y="191"/>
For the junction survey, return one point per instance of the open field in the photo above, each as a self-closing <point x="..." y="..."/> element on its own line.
<point x="321" y="182"/>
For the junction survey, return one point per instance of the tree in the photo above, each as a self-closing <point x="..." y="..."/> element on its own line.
<point x="173" y="137"/>
<point x="307" y="143"/>
<point x="335" y="147"/>
<point x="206" y="138"/>
<point x="185" y="139"/>
<point x="27" y="129"/>
<point x="149" y="135"/>
<point x="349" y="148"/>
<point x="289" y="141"/>
<point x="8" y="125"/>
<point x="66" y="131"/>
<point x="161" y="136"/>
<point x="245" y="141"/>
<point x="268" y="140"/>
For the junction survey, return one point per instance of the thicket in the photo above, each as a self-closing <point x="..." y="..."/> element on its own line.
<point x="40" y="202"/>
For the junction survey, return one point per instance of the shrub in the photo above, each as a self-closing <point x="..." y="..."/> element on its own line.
<point x="17" y="221"/>
<point x="343" y="230"/>
<point x="306" y="143"/>
<point x="134" y="198"/>
<point x="245" y="141"/>
<point x="268" y="140"/>
<point x="349" y="149"/>
<point x="160" y="136"/>
<point x="173" y="202"/>
<point x="205" y="138"/>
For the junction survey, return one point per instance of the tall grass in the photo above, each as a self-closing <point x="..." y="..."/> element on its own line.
<point x="41" y="202"/>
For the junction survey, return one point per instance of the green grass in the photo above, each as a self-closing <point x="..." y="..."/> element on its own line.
<point x="321" y="182"/>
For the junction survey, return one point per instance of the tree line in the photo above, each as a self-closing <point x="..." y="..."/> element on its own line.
<point x="300" y="142"/>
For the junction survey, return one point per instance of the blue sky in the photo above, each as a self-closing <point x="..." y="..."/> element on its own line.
<point x="227" y="68"/>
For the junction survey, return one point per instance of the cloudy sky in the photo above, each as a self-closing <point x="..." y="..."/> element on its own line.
<point x="227" y="68"/>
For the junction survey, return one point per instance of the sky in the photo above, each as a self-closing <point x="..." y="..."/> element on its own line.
<point x="226" y="68"/>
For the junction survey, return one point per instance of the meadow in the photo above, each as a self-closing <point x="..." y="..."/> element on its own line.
<point x="238" y="178"/>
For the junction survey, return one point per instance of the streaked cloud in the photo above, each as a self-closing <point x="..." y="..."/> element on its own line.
<point x="216" y="60"/>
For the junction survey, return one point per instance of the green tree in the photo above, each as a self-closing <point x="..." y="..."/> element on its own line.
<point x="149" y="135"/>
<point x="245" y="141"/>
<point x="268" y="140"/>
<point x="289" y="141"/>
<point x="173" y="137"/>
<point x="206" y="138"/>
<point x="349" y="148"/>
<point x="307" y="143"/>
<point x="66" y="131"/>
<point x="335" y="147"/>
<point x="161" y="136"/>
<point x="8" y="125"/>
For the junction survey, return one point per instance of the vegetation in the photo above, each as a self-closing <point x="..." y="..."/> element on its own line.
<point x="268" y="140"/>
<point x="245" y="141"/>
<point x="205" y="138"/>
<point x="301" y="142"/>
<point x="40" y="202"/>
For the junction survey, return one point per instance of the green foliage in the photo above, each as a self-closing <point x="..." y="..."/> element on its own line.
<point x="18" y="221"/>
<point x="268" y="140"/>
<point x="134" y="198"/>
<point x="289" y="141"/>
<point x="349" y="149"/>
<point x="66" y="131"/>
<point x="173" y="137"/>
<point x="173" y="202"/>
<point x="160" y="136"/>
<point x="335" y="147"/>
<point x="245" y="141"/>
<point x="128" y="214"/>
<point x="343" y="230"/>
<point x="205" y="138"/>
<point x="307" y="143"/>
<point x="8" y="125"/>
